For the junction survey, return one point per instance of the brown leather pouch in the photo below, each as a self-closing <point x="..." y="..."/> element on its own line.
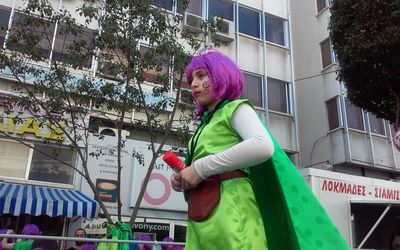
<point x="205" y="197"/>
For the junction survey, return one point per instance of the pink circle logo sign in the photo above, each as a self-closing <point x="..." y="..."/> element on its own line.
<point x="167" y="190"/>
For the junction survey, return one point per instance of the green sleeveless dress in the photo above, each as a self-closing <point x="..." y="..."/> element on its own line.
<point x="292" y="215"/>
<point x="236" y="222"/>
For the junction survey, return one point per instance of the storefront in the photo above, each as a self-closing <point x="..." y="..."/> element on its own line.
<point x="47" y="207"/>
<point x="365" y="210"/>
<point x="36" y="185"/>
<point x="157" y="229"/>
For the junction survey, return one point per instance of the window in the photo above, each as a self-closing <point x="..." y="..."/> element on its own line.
<point x="109" y="62"/>
<point x="46" y="168"/>
<point x="275" y="30"/>
<point x="4" y="18"/>
<point x="15" y="162"/>
<point x="326" y="53"/>
<point x="354" y="116"/>
<point x="180" y="233"/>
<point x="333" y="114"/>
<point x="194" y="7"/>
<point x="392" y="130"/>
<point x="249" y="22"/>
<point x="14" y="159"/>
<point x="377" y="125"/>
<point x="108" y="132"/>
<point x="65" y="39"/>
<point x="322" y="4"/>
<point x="43" y="29"/>
<point x="165" y="4"/>
<point x="186" y="96"/>
<point x="253" y="89"/>
<point x="278" y="95"/>
<point x="220" y="8"/>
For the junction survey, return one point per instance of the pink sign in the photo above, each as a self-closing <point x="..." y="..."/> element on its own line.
<point x="167" y="190"/>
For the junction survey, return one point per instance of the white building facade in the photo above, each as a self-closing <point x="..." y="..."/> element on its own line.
<point x="255" y="34"/>
<point x="335" y="135"/>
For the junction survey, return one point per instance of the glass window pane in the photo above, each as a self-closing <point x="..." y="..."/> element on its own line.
<point x="354" y="116"/>
<point x="180" y="233"/>
<point x="220" y="8"/>
<point x="326" y="53"/>
<point x="376" y="124"/>
<point x="392" y="130"/>
<point x="277" y="95"/>
<point x="29" y="24"/>
<point x="165" y="4"/>
<point x="274" y="30"/>
<point x="48" y="169"/>
<point x="320" y="5"/>
<point x="65" y="39"/>
<point x="14" y="159"/>
<point x="194" y="7"/>
<point x="333" y="114"/>
<point x="249" y="22"/>
<point x="253" y="89"/>
<point x="4" y="18"/>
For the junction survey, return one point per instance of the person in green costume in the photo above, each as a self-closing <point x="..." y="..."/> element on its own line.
<point x="29" y="229"/>
<point x="231" y="139"/>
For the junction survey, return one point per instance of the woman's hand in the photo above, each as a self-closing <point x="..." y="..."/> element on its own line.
<point x="189" y="178"/>
<point x="186" y="179"/>
<point x="176" y="182"/>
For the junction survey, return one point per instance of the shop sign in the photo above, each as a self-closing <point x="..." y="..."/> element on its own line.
<point x="159" y="193"/>
<point x="99" y="226"/>
<point x="107" y="189"/>
<point x="372" y="192"/>
<point x="29" y="121"/>
<point x="31" y="126"/>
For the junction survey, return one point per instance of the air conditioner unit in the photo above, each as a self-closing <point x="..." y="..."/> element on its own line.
<point x="186" y="97"/>
<point x="192" y="23"/>
<point x="225" y="30"/>
<point x="113" y="132"/>
<point x="107" y="70"/>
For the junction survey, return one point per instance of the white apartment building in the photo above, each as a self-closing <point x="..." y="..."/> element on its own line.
<point x="335" y="135"/>
<point x="255" y="33"/>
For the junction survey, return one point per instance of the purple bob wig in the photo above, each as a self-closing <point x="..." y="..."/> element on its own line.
<point x="88" y="247"/>
<point x="30" y="229"/>
<point x="226" y="77"/>
<point x="166" y="239"/>
<point x="145" y="237"/>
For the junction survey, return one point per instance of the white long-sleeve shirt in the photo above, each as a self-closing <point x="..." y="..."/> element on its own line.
<point x="256" y="147"/>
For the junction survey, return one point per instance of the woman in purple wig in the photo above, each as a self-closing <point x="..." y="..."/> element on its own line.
<point x="230" y="139"/>
<point x="5" y="242"/>
<point x="142" y="246"/>
<point x="29" y="229"/>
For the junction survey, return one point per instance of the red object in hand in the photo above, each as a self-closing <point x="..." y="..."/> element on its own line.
<point x="173" y="161"/>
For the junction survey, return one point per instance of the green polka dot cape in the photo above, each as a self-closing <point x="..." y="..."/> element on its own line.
<point x="273" y="209"/>
<point x="293" y="217"/>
